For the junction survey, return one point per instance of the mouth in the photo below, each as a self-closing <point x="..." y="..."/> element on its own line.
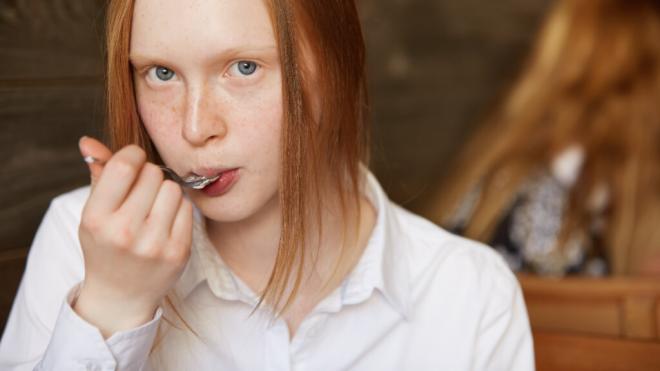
<point x="223" y="182"/>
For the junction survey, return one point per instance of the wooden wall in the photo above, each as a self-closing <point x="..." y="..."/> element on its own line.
<point x="435" y="67"/>
<point x="51" y="66"/>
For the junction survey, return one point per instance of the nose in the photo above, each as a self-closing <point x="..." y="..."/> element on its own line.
<point x="203" y="121"/>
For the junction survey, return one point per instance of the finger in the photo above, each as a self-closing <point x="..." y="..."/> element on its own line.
<point x="182" y="227"/>
<point x="90" y="147"/>
<point x="181" y="234"/>
<point x="142" y="196"/>
<point x="116" y="180"/>
<point x="165" y="208"/>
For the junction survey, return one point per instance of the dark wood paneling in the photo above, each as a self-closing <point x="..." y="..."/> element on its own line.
<point x="51" y="65"/>
<point x="38" y="144"/>
<point x="12" y="265"/>
<point x="50" y="39"/>
<point x="435" y="68"/>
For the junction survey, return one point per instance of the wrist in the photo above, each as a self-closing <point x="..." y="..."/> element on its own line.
<point x="112" y="313"/>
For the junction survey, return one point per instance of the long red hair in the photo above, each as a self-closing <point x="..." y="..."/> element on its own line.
<point x="593" y="79"/>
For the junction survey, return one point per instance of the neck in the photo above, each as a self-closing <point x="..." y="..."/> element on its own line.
<point x="249" y="247"/>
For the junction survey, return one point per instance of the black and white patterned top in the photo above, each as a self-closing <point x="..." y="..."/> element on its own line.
<point x="527" y="236"/>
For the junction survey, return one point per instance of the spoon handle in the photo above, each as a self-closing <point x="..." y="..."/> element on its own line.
<point x="195" y="183"/>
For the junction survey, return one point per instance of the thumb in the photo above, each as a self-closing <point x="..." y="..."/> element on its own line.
<point x="90" y="147"/>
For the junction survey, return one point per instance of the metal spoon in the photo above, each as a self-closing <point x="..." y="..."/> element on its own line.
<point x="193" y="181"/>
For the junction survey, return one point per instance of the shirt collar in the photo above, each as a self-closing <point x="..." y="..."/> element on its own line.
<point x="205" y="264"/>
<point x="382" y="267"/>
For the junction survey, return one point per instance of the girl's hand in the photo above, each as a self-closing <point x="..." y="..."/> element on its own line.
<point x="135" y="233"/>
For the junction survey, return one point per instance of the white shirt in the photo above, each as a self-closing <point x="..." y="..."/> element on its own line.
<point x="418" y="299"/>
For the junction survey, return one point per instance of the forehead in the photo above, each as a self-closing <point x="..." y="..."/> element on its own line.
<point x="197" y="27"/>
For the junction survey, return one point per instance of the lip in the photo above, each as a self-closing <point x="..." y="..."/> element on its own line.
<point x="211" y="172"/>
<point x="227" y="179"/>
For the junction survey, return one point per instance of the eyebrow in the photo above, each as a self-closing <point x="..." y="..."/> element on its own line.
<point x="146" y="58"/>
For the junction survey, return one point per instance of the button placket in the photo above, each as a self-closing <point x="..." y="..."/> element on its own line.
<point x="278" y="346"/>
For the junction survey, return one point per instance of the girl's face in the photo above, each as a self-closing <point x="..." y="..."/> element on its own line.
<point x="208" y="88"/>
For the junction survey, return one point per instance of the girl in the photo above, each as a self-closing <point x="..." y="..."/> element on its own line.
<point x="566" y="177"/>
<point x="293" y="258"/>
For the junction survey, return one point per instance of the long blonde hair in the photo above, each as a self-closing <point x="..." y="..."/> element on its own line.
<point x="315" y="154"/>
<point x="593" y="80"/>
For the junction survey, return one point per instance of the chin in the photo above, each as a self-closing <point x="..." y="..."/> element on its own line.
<point x="235" y="209"/>
<point x="219" y="215"/>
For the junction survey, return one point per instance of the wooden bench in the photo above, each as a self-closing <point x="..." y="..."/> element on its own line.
<point x="594" y="324"/>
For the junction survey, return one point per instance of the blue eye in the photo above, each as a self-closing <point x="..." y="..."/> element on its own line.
<point x="246" y="67"/>
<point x="164" y="74"/>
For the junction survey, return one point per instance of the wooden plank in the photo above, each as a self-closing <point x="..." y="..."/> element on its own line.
<point x="589" y="317"/>
<point x="38" y="144"/>
<point x="603" y="288"/>
<point x="560" y="352"/>
<point x="50" y="39"/>
<point x="12" y="265"/>
<point x="639" y="317"/>
<point x="613" y="306"/>
<point x="657" y="318"/>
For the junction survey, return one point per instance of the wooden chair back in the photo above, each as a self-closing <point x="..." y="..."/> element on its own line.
<point x="594" y="324"/>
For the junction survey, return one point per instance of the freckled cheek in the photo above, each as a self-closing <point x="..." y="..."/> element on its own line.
<point x="260" y="121"/>
<point x="265" y="137"/>
<point x="260" y="103"/>
<point x="160" y="118"/>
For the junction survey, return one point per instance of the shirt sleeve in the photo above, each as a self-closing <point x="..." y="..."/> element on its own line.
<point x="43" y="332"/>
<point x="76" y="344"/>
<point x="505" y="338"/>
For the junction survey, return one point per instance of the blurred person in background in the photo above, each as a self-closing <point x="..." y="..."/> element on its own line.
<point x="565" y="176"/>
